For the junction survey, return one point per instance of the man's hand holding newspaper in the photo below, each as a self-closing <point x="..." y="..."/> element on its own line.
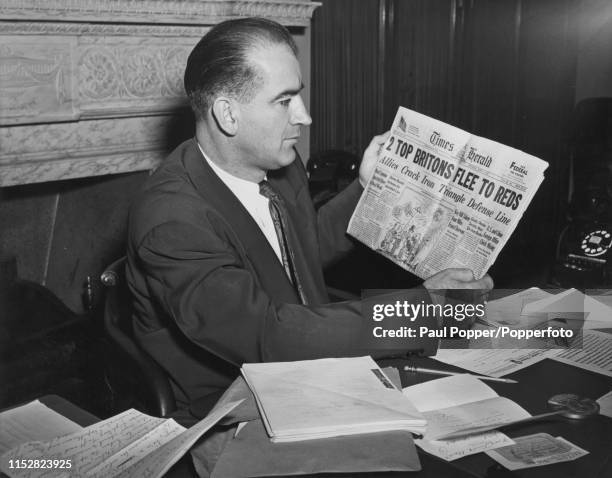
<point x="440" y="198"/>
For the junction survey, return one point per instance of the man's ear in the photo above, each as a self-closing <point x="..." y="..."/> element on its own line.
<point x="225" y="113"/>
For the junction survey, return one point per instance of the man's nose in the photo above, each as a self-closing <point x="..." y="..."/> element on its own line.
<point x="299" y="114"/>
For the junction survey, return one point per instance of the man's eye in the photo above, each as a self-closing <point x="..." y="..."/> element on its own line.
<point x="285" y="102"/>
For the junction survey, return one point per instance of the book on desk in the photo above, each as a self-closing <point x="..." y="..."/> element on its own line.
<point x="324" y="398"/>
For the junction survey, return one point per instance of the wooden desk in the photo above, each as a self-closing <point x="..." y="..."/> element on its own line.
<point x="536" y="384"/>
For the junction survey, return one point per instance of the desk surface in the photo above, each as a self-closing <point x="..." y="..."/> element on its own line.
<point x="536" y="384"/>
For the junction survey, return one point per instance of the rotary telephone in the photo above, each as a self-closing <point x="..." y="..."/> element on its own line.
<point x="584" y="252"/>
<point x="584" y="256"/>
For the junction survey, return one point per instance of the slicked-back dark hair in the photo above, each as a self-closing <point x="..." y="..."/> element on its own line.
<point x="219" y="65"/>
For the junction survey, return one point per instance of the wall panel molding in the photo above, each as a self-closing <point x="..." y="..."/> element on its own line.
<point x="67" y="150"/>
<point x="74" y="72"/>
<point x="197" y="12"/>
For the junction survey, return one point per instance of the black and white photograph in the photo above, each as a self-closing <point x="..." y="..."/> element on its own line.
<point x="333" y="238"/>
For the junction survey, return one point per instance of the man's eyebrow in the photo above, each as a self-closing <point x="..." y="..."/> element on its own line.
<point x="288" y="92"/>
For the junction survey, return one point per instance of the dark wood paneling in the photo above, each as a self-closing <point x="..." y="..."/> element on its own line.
<point x="418" y="67"/>
<point x="26" y="223"/>
<point x="63" y="231"/>
<point x="503" y="69"/>
<point x="90" y="233"/>
<point x="485" y="92"/>
<point x="547" y="74"/>
<point x="345" y="79"/>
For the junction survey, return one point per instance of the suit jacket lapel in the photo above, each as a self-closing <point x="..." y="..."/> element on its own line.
<point x="249" y="235"/>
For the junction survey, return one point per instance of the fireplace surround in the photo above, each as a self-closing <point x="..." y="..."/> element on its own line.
<point x="94" y="87"/>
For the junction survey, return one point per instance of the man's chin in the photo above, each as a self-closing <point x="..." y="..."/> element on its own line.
<point x="286" y="158"/>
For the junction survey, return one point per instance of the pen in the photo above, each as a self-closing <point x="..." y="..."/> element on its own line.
<point x="415" y="369"/>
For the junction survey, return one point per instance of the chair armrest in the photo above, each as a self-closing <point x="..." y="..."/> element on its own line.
<point x="159" y="395"/>
<point x="154" y="377"/>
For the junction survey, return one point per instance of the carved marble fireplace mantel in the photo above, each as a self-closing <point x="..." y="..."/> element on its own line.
<point x="92" y="87"/>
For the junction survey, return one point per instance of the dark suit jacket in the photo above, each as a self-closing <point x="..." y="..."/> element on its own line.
<point x="209" y="291"/>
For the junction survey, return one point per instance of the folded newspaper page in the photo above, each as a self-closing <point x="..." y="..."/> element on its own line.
<point x="441" y="197"/>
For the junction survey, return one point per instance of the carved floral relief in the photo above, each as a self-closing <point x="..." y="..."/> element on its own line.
<point x="131" y="72"/>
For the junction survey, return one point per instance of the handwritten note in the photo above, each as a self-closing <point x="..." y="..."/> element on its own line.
<point x="450" y="450"/>
<point x="156" y="464"/>
<point x="457" y="403"/>
<point x="137" y="450"/>
<point x="32" y="422"/>
<point x="85" y="448"/>
<point x="488" y="414"/>
<point x="129" y="444"/>
<point x="461" y="402"/>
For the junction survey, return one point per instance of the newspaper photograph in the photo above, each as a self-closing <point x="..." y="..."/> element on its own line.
<point x="441" y="197"/>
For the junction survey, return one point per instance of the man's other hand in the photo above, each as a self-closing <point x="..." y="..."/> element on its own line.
<point x="458" y="279"/>
<point x="370" y="156"/>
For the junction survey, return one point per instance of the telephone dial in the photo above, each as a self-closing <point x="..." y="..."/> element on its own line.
<point x="584" y="256"/>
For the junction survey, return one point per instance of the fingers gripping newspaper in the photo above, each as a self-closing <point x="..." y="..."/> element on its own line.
<point x="441" y="197"/>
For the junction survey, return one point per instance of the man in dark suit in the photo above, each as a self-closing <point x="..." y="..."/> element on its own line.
<point x="222" y="270"/>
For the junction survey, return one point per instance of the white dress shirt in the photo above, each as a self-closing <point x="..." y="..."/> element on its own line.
<point x="257" y="206"/>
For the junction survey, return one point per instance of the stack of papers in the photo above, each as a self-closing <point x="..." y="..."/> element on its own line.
<point x="32" y="422"/>
<point x="572" y="305"/>
<point x="325" y="398"/>
<point x="128" y="445"/>
<point x="532" y="307"/>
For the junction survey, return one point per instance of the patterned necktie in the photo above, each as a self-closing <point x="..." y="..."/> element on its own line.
<point x="279" y="218"/>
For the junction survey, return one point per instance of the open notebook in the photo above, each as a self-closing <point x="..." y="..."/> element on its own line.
<point x="323" y="398"/>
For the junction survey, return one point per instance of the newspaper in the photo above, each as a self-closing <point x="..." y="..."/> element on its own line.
<point x="441" y="197"/>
